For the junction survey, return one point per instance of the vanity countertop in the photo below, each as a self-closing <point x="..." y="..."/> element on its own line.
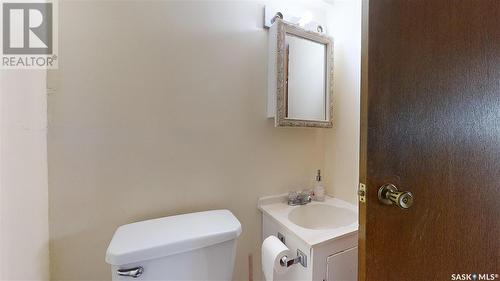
<point x="322" y="227"/>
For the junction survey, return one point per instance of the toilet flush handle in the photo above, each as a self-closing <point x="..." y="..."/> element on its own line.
<point x="131" y="272"/>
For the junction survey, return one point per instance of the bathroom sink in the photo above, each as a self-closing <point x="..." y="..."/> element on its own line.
<point x="315" y="223"/>
<point x="321" y="216"/>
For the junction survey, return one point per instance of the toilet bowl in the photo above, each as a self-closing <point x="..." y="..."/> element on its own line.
<point x="195" y="246"/>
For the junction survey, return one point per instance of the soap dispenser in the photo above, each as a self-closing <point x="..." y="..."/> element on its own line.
<point x="318" y="189"/>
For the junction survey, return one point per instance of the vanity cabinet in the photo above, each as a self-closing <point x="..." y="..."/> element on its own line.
<point x="336" y="259"/>
<point x="332" y="253"/>
<point x="342" y="265"/>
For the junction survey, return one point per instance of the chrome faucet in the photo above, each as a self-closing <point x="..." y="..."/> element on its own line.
<point x="299" y="198"/>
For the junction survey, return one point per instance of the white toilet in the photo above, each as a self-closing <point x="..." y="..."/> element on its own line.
<point x="196" y="246"/>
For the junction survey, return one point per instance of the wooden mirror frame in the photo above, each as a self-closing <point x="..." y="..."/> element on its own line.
<point x="283" y="28"/>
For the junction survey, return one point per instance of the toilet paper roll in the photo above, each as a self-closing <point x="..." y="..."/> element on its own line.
<point x="272" y="252"/>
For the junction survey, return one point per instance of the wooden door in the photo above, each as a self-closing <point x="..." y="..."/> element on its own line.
<point x="431" y="126"/>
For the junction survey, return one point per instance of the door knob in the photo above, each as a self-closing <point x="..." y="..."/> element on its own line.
<point x="389" y="194"/>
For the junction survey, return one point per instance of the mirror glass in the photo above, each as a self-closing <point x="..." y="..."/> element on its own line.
<point x="306" y="79"/>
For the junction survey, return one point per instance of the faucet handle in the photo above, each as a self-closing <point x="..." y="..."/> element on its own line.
<point x="292" y="195"/>
<point x="299" y="198"/>
<point x="306" y="196"/>
<point x="307" y="192"/>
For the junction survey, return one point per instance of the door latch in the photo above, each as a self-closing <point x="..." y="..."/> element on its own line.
<point x="362" y="192"/>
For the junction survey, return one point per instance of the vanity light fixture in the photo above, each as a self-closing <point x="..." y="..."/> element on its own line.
<point x="306" y="20"/>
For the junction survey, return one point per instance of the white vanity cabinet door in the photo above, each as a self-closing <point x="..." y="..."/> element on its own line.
<point x="343" y="266"/>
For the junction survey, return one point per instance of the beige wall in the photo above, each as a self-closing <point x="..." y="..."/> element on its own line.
<point x="342" y="149"/>
<point x="159" y="109"/>
<point x="24" y="234"/>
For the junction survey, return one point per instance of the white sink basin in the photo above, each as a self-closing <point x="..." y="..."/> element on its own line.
<point x="321" y="216"/>
<point x="314" y="223"/>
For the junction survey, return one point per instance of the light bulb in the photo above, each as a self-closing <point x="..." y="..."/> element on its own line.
<point x="306" y="18"/>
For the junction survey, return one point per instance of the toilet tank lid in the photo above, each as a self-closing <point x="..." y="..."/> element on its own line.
<point x="167" y="236"/>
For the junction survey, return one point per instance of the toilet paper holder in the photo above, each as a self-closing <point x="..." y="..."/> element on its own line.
<point x="300" y="258"/>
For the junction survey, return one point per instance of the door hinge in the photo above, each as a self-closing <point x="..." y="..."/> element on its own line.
<point x="362" y="192"/>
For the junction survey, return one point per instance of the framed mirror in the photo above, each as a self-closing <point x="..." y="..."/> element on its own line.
<point x="300" y="69"/>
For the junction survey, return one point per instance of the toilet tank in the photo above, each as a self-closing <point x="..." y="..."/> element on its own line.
<point x="195" y="246"/>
